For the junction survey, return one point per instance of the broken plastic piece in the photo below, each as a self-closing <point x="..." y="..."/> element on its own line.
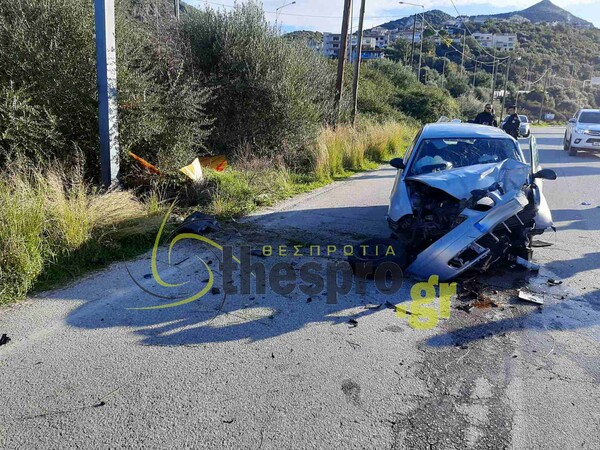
<point x="531" y="297"/>
<point x="553" y="282"/>
<point x="353" y="323"/>
<point x="218" y="163"/>
<point x="4" y="339"/>
<point x="198" y="223"/>
<point x="145" y="164"/>
<point x="527" y="264"/>
<point x="193" y="171"/>
<point x="540" y="244"/>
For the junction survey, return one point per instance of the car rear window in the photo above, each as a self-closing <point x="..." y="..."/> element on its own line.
<point x="524" y="119"/>
<point x="451" y="153"/>
<point x="590" y="117"/>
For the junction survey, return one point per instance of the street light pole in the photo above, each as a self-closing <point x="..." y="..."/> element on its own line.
<point x="106" y="66"/>
<point x="279" y="9"/>
<point x="357" y="61"/>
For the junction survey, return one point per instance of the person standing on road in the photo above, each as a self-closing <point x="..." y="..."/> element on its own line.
<point x="512" y="123"/>
<point x="487" y="117"/>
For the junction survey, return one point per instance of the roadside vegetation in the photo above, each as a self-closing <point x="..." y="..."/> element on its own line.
<point x="216" y="83"/>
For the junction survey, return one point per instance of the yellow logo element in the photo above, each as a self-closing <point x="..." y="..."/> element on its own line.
<point x="423" y="315"/>
<point x="161" y="282"/>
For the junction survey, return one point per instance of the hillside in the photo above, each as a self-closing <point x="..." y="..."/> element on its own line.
<point x="434" y="17"/>
<point x="544" y="11"/>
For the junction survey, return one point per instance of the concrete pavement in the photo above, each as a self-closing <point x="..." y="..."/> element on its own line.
<point x="83" y="370"/>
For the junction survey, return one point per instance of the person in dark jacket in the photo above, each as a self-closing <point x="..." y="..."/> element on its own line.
<point x="487" y="117"/>
<point x="512" y="123"/>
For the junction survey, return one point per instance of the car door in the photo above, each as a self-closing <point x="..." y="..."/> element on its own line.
<point x="543" y="218"/>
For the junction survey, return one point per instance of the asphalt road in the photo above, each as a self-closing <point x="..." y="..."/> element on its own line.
<point x="84" y="370"/>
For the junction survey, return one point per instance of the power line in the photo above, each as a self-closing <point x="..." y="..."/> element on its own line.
<point x="471" y="34"/>
<point x="304" y="15"/>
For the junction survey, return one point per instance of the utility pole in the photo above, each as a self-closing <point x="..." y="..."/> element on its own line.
<point x="544" y="95"/>
<point x="106" y="62"/>
<point x="462" y="60"/>
<point x="422" y="39"/>
<point x="504" y="90"/>
<point x="176" y="5"/>
<point x="357" y="62"/>
<point x="493" y="81"/>
<point x="412" y="50"/>
<point x="475" y="72"/>
<point x="339" y="86"/>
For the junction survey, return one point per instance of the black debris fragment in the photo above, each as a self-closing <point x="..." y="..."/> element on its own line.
<point x="353" y="323"/>
<point x="536" y="243"/>
<point x="98" y="405"/>
<point x="147" y="276"/>
<point x="4" y="339"/>
<point x="215" y="291"/>
<point x="198" y="223"/>
<point x="309" y="299"/>
<point x="553" y="282"/>
<point x="466" y="307"/>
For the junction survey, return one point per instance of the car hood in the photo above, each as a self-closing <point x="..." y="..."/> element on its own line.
<point x="460" y="182"/>
<point x="589" y="126"/>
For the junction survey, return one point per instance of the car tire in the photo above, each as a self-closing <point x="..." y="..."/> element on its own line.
<point x="572" y="151"/>
<point x="566" y="144"/>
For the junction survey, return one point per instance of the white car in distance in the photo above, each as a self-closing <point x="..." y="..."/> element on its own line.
<point x="583" y="132"/>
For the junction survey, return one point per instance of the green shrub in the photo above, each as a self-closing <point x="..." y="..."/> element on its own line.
<point x="427" y="103"/>
<point x="47" y="58"/>
<point x="269" y="93"/>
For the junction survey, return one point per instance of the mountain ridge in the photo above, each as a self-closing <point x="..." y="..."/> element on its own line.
<point x="543" y="11"/>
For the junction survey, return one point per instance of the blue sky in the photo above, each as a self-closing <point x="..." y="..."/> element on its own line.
<point x="296" y="17"/>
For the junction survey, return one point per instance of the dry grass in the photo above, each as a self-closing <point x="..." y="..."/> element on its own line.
<point x="46" y="217"/>
<point x="345" y="148"/>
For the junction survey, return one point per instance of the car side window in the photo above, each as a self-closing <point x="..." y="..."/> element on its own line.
<point x="411" y="147"/>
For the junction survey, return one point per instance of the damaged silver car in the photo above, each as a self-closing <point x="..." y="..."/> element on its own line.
<point x="465" y="198"/>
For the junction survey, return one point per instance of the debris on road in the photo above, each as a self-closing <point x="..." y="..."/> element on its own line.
<point x="353" y="323"/>
<point x="4" y="339"/>
<point x="215" y="291"/>
<point x="465" y="307"/>
<point x="527" y="264"/>
<point x="537" y="243"/>
<point x="531" y="297"/>
<point x="198" y="223"/>
<point x="373" y="307"/>
<point x="553" y="282"/>
<point x="586" y="204"/>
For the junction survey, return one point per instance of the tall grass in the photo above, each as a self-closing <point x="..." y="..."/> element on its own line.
<point x="345" y="148"/>
<point x="52" y="222"/>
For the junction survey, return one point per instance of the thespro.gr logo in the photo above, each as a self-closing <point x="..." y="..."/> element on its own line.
<point x="245" y="275"/>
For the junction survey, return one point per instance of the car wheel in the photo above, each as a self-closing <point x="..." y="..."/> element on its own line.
<point x="566" y="144"/>
<point x="572" y="151"/>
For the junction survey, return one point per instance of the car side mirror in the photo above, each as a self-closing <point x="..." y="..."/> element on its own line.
<point x="573" y="120"/>
<point x="545" y="174"/>
<point x="398" y="163"/>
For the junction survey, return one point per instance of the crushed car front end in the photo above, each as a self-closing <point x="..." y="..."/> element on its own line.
<point x="456" y="219"/>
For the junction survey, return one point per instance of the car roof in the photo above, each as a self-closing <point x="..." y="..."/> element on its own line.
<point x="461" y="130"/>
<point x="589" y="110"/>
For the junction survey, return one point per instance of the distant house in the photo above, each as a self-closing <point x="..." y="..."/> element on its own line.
<point x="501" y="41"/>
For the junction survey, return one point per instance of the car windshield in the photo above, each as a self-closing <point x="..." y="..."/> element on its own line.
<point x="590" y="117"/>
<point x="523" y="119"/>
<point x="450" y="153"/>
